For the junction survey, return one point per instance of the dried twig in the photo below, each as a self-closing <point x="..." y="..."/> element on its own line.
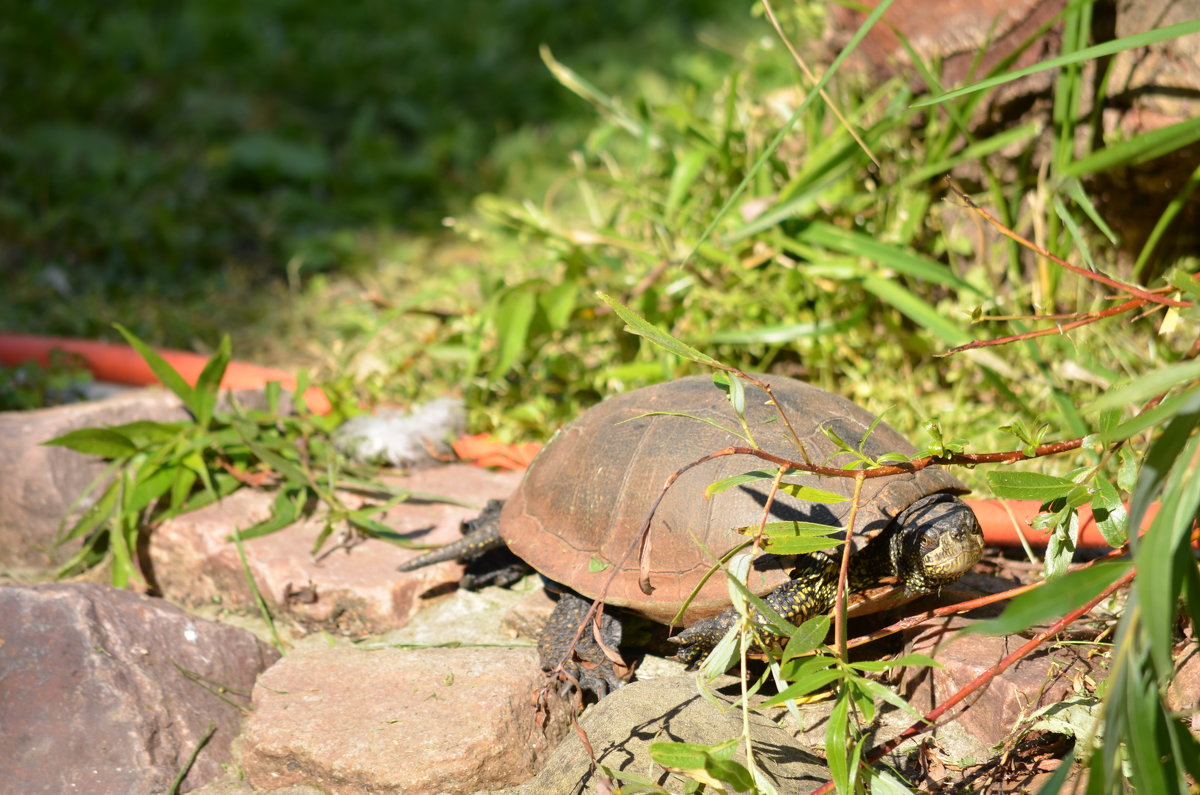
<point x="1062" y="328"/>
<point x="1144" y="294"/>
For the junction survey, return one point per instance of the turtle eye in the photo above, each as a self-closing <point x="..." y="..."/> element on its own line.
<point x="929" y="540"/>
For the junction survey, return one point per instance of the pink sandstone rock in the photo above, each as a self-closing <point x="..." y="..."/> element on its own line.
<point x="967" y="37"/>
<point x="356" y="591"/>
<point x="1045" y="677"/>
<point x="398" y="720"/>
<point x="108" y="691"/>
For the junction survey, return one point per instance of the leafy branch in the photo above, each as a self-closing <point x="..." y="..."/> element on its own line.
<point x="928" y="721"/>
<point x="1062" y="495"/>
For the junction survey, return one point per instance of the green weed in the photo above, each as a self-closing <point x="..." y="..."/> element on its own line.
<point x="710" y="193"/>
<point x="162" y="469"/>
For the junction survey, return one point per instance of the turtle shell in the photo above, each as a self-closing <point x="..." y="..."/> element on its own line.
<point x="587" y="494"/>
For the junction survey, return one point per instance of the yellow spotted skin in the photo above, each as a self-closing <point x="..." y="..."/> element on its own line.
<point x="811" y="592"/>
<point x="481" y="535"/>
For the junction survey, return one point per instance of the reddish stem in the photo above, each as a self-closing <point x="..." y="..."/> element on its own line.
<point x="928" y="721"/>
<point x="1034" y="247"/>
<point x="1091" y="317"/>
<point x="916" y="464"/>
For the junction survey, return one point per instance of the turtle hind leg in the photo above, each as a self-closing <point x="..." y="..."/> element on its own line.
<point x="587" y="663"/>
<point x="498" y="566"/>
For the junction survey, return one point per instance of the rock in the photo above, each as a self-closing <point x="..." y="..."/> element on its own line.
<point x="1045" y="677"/>
<point x="39" y="484"/>
<point x="353" y="592"/>
<point x="1145" y="88"/>
<point x="470" y="618"/>
<point x="527" y="617"/>
<point x="232" y="785"/>
<point x="108" y="691"/>
<point x="967" y="37"/>
<point x="416" y="721"/>
<point x="623" y="725"/>
<point x="1149" y="88"/>
<point x="1159" y="84"/>
<point x="1183" y="694"/>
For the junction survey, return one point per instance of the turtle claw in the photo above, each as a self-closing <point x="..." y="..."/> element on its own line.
<point x="702" y="637"/>
<point x="597" y="681"/>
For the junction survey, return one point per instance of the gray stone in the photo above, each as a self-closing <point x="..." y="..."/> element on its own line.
<point x="470" y="618"/>
<point x="108" y="691"/>
<point x="623" y="725"/>
<point x="527" y="617"/>
<point x="395" y="720"/>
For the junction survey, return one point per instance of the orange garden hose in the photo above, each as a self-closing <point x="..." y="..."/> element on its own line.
<point x="1003" y="529"/>
<point x="121" y="364"/>
<point x="1003" y="521"/>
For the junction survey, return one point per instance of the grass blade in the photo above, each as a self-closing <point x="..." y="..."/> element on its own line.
<point x="1088" y="53"/>
<point x="165" y="373"/>
<point x="209" y="383"/>
<point x="1164" y="221"/>
<point x="636" y="324"/>
<point x="785" y="130"/>
<point x="512" y="319"/>
<point x="1055" y="598"/>
<point x="1139" y="149"/>
<point x="916" y="309"/>
<point x="861" y="245"/>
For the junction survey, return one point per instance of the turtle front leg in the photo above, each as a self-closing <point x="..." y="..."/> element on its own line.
<point x="588" y="663"/>
<point x="809" y="593"/>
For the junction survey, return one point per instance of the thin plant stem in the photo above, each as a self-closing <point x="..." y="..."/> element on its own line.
<point x="929" y="720"/>
<point x="839" y="607"/>
<point x="191" y="760"/>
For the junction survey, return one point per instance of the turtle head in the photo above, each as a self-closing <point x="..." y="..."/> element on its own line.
<point x="938" y="540"/>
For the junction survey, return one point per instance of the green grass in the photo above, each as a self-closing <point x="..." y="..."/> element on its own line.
<point x="286" y="172"/>
<point x="413" y="205"/>
<point x="410" y="208"/>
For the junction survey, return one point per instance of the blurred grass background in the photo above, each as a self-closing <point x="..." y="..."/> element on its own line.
<point x="154" y="157"/>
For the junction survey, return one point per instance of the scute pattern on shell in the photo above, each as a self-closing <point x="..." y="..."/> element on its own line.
<point x="588" y="493"/>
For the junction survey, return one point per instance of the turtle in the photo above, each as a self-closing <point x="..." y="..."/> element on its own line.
<point x="587" y="494"/>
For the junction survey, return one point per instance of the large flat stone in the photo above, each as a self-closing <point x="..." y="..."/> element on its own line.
<point x="39" y="484"/>
<point x="107" y="691"/>
<point x="623" y="725"/>
<point x="354" y="592"/>
<point x="394" y="720"/>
